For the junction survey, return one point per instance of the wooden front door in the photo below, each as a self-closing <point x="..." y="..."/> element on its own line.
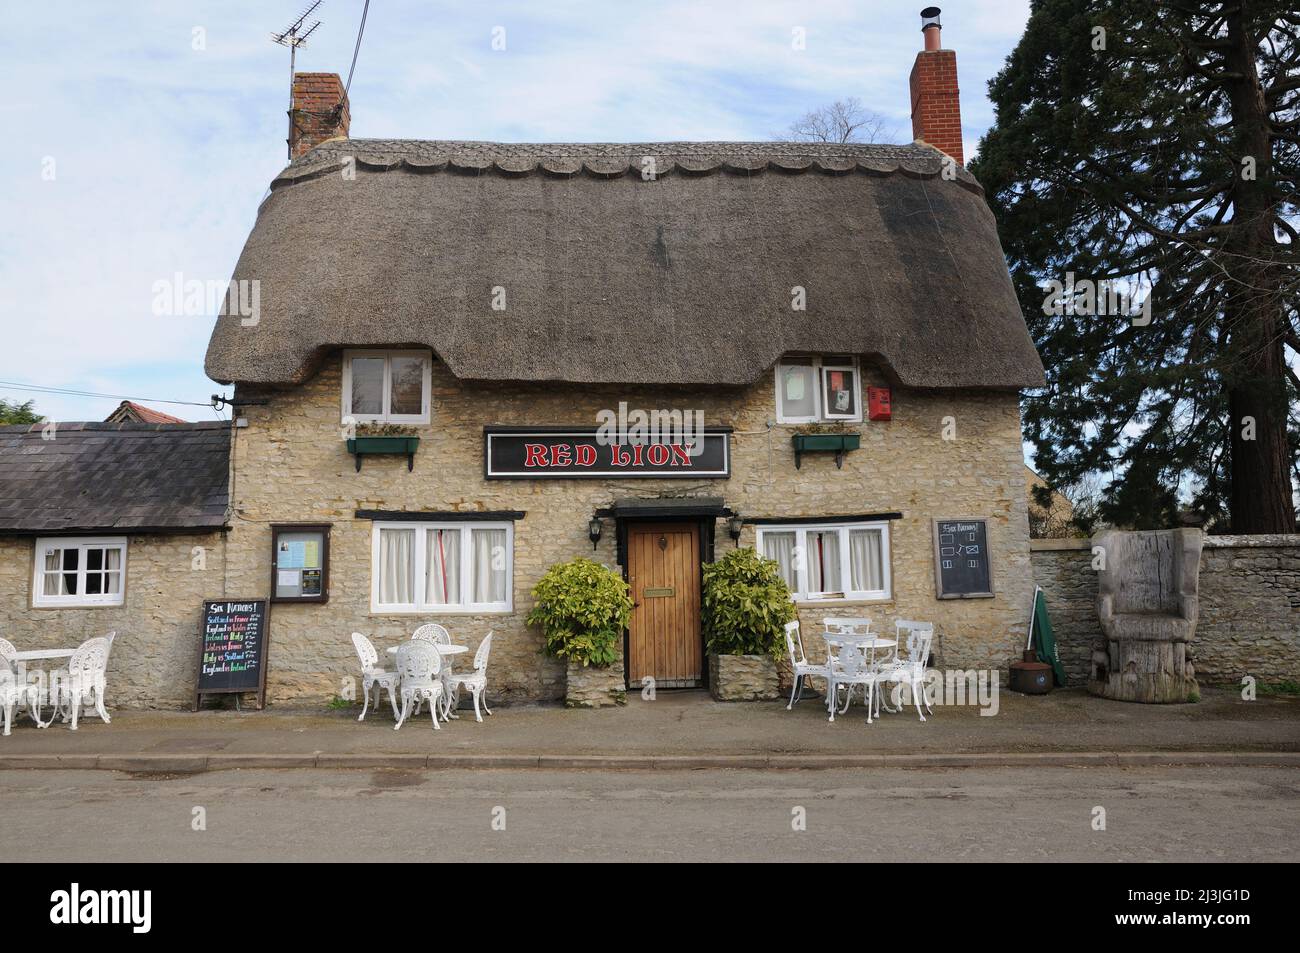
<point x="663" y="569"/>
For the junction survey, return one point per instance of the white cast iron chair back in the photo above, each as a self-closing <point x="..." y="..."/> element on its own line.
<point x="7" y="650"/>
<point x="419" y="665"/>
<point x="799" y="663"/>
<point x="83" y="681"/>
<point x="373" y="676"/>
<point x="911" y="672"/>
<point x="476" y="681"/>
<point x="432" y="632"/>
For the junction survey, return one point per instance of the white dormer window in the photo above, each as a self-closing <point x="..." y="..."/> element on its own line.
<point x="390" y="387"/>
<point x="812" y="389"/>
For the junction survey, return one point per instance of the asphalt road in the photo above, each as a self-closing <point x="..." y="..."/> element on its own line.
<point x="1010" y="814"/>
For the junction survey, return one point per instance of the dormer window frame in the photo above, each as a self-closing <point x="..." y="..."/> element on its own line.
<point x="820" y="366"/>
<point x="387" y="417"/>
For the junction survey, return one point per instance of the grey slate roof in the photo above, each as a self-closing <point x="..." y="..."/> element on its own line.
<point x="114" y="477"/>
<point x="609" y="277"/>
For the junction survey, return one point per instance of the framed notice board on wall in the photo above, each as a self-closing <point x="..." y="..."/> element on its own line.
<point x="232" y="649"/>
<point x="300" y="562"/>
<point x="962" y="569"/>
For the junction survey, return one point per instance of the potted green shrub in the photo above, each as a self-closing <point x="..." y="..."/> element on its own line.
<point x="583" y="608"/>
<point x="745" y="608"/>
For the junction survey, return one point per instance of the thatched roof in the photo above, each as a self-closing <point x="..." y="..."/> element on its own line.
<point x="113" y="477"/>
<point x="684" y="278"/>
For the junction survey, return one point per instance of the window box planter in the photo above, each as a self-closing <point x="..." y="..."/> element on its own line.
<point x="363" y="446"/>
<point x="837" y="443"/>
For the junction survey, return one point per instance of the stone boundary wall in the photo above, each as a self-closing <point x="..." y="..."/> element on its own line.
<point x="1249" y="615"/>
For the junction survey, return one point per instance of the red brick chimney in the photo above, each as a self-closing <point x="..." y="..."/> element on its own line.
<point x="936" y="107"/>
<point x="319" y="111"/>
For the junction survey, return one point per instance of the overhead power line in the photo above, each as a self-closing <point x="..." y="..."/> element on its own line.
<point x="68" y="392"/>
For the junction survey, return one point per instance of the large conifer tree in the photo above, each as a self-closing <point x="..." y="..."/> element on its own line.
<point x="1158" y="144"/>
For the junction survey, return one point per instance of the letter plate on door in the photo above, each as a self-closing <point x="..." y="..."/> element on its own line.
<point x="659" y="593"/>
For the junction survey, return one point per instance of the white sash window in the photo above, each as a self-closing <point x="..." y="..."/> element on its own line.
<point x="829" y="562"/>
<point x="442" y="567"/>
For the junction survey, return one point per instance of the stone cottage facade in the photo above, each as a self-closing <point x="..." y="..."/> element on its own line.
<point x="448" y="329"/>
<point x="471" y="361"/>
<point x="114" y="527"/>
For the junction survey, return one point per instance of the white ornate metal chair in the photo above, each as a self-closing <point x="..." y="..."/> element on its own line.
<point x="432" y="632"/>
<point x="419" y="666"/>
<point x="83" y="682"/>
<point x="849" y="668"/>
<point x="799" y="663"/>
<point x="373" y="675"/>
<point x="14" y="693"/>
<point x="912" y="671"/>
<point x="476" y="681"/>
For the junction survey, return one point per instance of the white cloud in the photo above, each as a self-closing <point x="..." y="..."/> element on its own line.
<point x="163" y="152"/>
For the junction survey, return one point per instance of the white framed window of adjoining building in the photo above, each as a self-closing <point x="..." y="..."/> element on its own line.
<point x="386" y="386"/>
<point x="830" y="562"/>
<point x="442" y="567"/>
<point x="815" y="388"/>
<point x="79" y="571"/>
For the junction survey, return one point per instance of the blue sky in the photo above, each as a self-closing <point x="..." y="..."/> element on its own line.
<point x="140" y="137"/>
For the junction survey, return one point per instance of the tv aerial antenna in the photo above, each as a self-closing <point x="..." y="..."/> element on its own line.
<point x="294" y="37"/>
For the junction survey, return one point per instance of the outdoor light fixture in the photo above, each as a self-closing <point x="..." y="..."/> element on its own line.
<point x="734" y="526"/>
<point x="593" y="530"/>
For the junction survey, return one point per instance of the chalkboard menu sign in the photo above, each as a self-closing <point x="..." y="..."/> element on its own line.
<point x="232" y="649"/>
<point x="961" y="559"/>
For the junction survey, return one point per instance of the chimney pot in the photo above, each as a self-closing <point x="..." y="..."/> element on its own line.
<point x="931" y="27"/>
<point x="936" y="103"/>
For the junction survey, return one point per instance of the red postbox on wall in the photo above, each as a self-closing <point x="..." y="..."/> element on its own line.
<point x="878" y="403"/>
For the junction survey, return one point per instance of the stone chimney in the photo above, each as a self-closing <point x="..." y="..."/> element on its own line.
<point x="319" y="111"/>
<point x="936" y="107"/>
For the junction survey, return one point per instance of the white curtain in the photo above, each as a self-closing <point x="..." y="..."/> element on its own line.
<point x="489" y="559"/>
<point x="443" y="560"/>
<point x="113" y="570"/>
<point x="53" y="578"/>
<point x="865" y="563"/>
<point x="823" y="558"/>
<point x="397" y="566"/>
<point x="780" y="546"/>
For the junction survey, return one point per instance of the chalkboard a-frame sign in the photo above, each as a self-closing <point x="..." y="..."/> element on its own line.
<point x="962" y="569"/>
<point x="232" y="648"/>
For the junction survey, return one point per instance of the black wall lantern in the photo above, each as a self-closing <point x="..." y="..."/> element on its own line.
<point x="734" y="526"/>
<point x="593" y="530"/>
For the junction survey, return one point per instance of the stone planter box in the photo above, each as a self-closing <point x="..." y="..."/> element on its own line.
<point x="743" y="678"/>
<point x="592" y="687"/>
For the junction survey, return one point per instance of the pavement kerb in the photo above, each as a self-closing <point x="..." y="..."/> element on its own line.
<point x="184" y="763"/>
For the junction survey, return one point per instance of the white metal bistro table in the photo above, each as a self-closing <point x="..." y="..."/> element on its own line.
<point x="43" y="655"/>
<point x="448" y="686"/>
<point x="39" y="655"/>
<point x="862" y="641"/>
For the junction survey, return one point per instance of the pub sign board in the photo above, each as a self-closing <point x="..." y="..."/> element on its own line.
<point x="961" y="559"/>
<point x="232" y="649"/>
<point x="587" y="453"/>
